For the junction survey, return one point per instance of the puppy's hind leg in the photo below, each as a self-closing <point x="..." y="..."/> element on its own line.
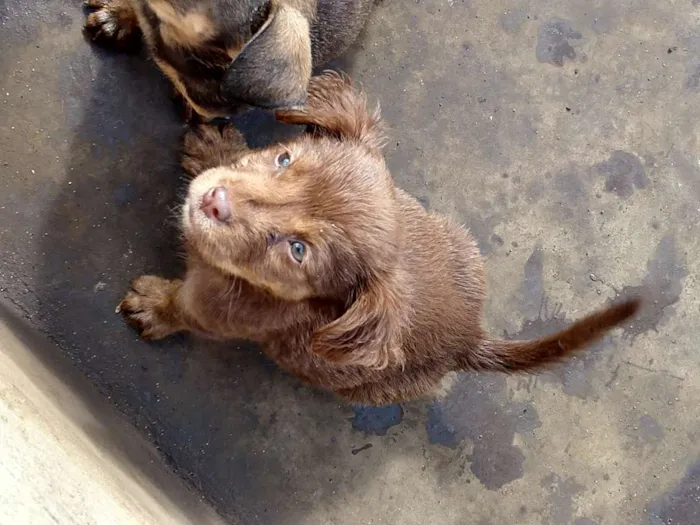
<point x="209" y="146"/>
<point x="113" y="23"/>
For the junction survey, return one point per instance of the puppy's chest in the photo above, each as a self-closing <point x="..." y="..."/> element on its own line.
<point x="234" y="308"/>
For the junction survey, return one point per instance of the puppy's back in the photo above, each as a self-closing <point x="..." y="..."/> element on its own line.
<point x="447" y="290"/>
<point x="448" y="296"/>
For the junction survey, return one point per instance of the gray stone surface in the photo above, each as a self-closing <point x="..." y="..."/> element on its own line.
<point x="67" y="456"/>
<point x="563" y="133"/>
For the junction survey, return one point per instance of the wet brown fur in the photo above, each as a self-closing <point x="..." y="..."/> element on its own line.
<point x="226" y="55"/>
<point x="389" y="298"/>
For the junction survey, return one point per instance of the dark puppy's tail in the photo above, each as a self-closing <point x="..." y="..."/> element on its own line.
<point x="528" y="356"/>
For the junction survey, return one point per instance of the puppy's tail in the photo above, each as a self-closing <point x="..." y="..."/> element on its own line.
<point x="528" y="356"/>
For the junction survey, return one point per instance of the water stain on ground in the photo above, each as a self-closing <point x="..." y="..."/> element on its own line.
<point x="680" y="505"/>
<point x="562" y="492"/>
<point x="571" y="186"/>
<point x="477" y="410"/>
<point x="512" y="19"/>
<point x="535" y="190"/>
<point x="623" y="174"/>
<point x="376" y="420"/>
<point x="649" y="430"/>
<point x="481" y="227"/>
<point x="555" y="42"/>
<point x="575" y="376"/>
<point x="692" y="81"/>
<point x="567" y="194"/>
<point x="661" y="288"/>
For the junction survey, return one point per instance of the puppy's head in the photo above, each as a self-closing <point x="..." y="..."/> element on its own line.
<point x="316" y="217"/>
<point x="226" y="54"/>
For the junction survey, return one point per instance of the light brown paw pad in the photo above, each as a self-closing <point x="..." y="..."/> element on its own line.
<point x="113" y="23"/>
<point x="147" y="307"/>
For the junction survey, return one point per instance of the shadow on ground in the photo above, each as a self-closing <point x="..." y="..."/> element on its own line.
<point x="222" y="415"/>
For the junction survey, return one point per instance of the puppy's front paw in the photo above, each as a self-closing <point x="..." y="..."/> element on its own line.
<point x="149" y="306"/>
<point x="209" y="146"/>
<point x="113" y="22"/>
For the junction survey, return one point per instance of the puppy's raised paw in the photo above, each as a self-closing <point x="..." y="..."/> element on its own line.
<point x="149" y="307"/>
<point x="113" y="23"/>
<point x="209" y="146"/>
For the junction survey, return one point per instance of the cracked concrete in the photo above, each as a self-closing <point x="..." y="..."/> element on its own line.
<point x="562" y="132"/>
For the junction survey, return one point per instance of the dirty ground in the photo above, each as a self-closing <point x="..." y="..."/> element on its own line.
<point x="563" y="133"/>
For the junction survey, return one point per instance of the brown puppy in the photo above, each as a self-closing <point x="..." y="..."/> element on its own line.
<point x="310" y="249"/>
<point x="224" y="55"/>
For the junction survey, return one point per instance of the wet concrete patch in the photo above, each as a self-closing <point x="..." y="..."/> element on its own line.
<point x="648" y="430"/>
<point x="692" y="81"/>
<point x="567" y="194"/>
<point x="624" y="173"/>
<point x="571" y="186"/>
<point x="556" y="40"/>
<point x="651" y="429"/>
<point x="476" y="409"/>
<point x="481" y="227"/>
<point x="661" y="288"/>
<point x="643" y="434"/>
<point x="512" y="19"/>
<point x="562" y="492"/>
<point x="532" y="287"/>
<point x="680" y="505"/>
<point x="543" y="318"/>
<point x="376" y="420"/>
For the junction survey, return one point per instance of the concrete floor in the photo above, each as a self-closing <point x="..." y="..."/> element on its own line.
<point x="67" y="456"/>
<point x="562" y="132"/>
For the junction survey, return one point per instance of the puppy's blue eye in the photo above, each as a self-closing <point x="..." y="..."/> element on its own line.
<point x="298" y="250"/>
<point x="283" y="160"/>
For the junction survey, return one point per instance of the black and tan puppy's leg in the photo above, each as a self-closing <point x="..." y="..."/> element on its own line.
<point x="113" y="23"/>
<point x="209" y="146"/>
<point x="189" y="115"/>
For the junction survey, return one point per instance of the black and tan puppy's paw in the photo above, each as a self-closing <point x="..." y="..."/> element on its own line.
<point x="209" y="146"/>
<point x="150" y="306"/>
<point x="113" y="23"/>
<point x="189" y="115"/>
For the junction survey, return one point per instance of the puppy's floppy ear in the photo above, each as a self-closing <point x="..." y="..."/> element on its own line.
<point x="274" y="68"/>
<point x="335" y="108"/>
<point x="367" y="334"/>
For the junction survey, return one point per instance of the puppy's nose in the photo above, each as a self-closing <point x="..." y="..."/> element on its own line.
<point x="215" y="204"/>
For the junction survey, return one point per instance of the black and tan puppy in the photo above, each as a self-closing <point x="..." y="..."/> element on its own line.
<point x="224" y="55"/>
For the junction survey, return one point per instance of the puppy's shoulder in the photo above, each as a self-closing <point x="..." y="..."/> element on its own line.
<point x="438" y="224"/>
